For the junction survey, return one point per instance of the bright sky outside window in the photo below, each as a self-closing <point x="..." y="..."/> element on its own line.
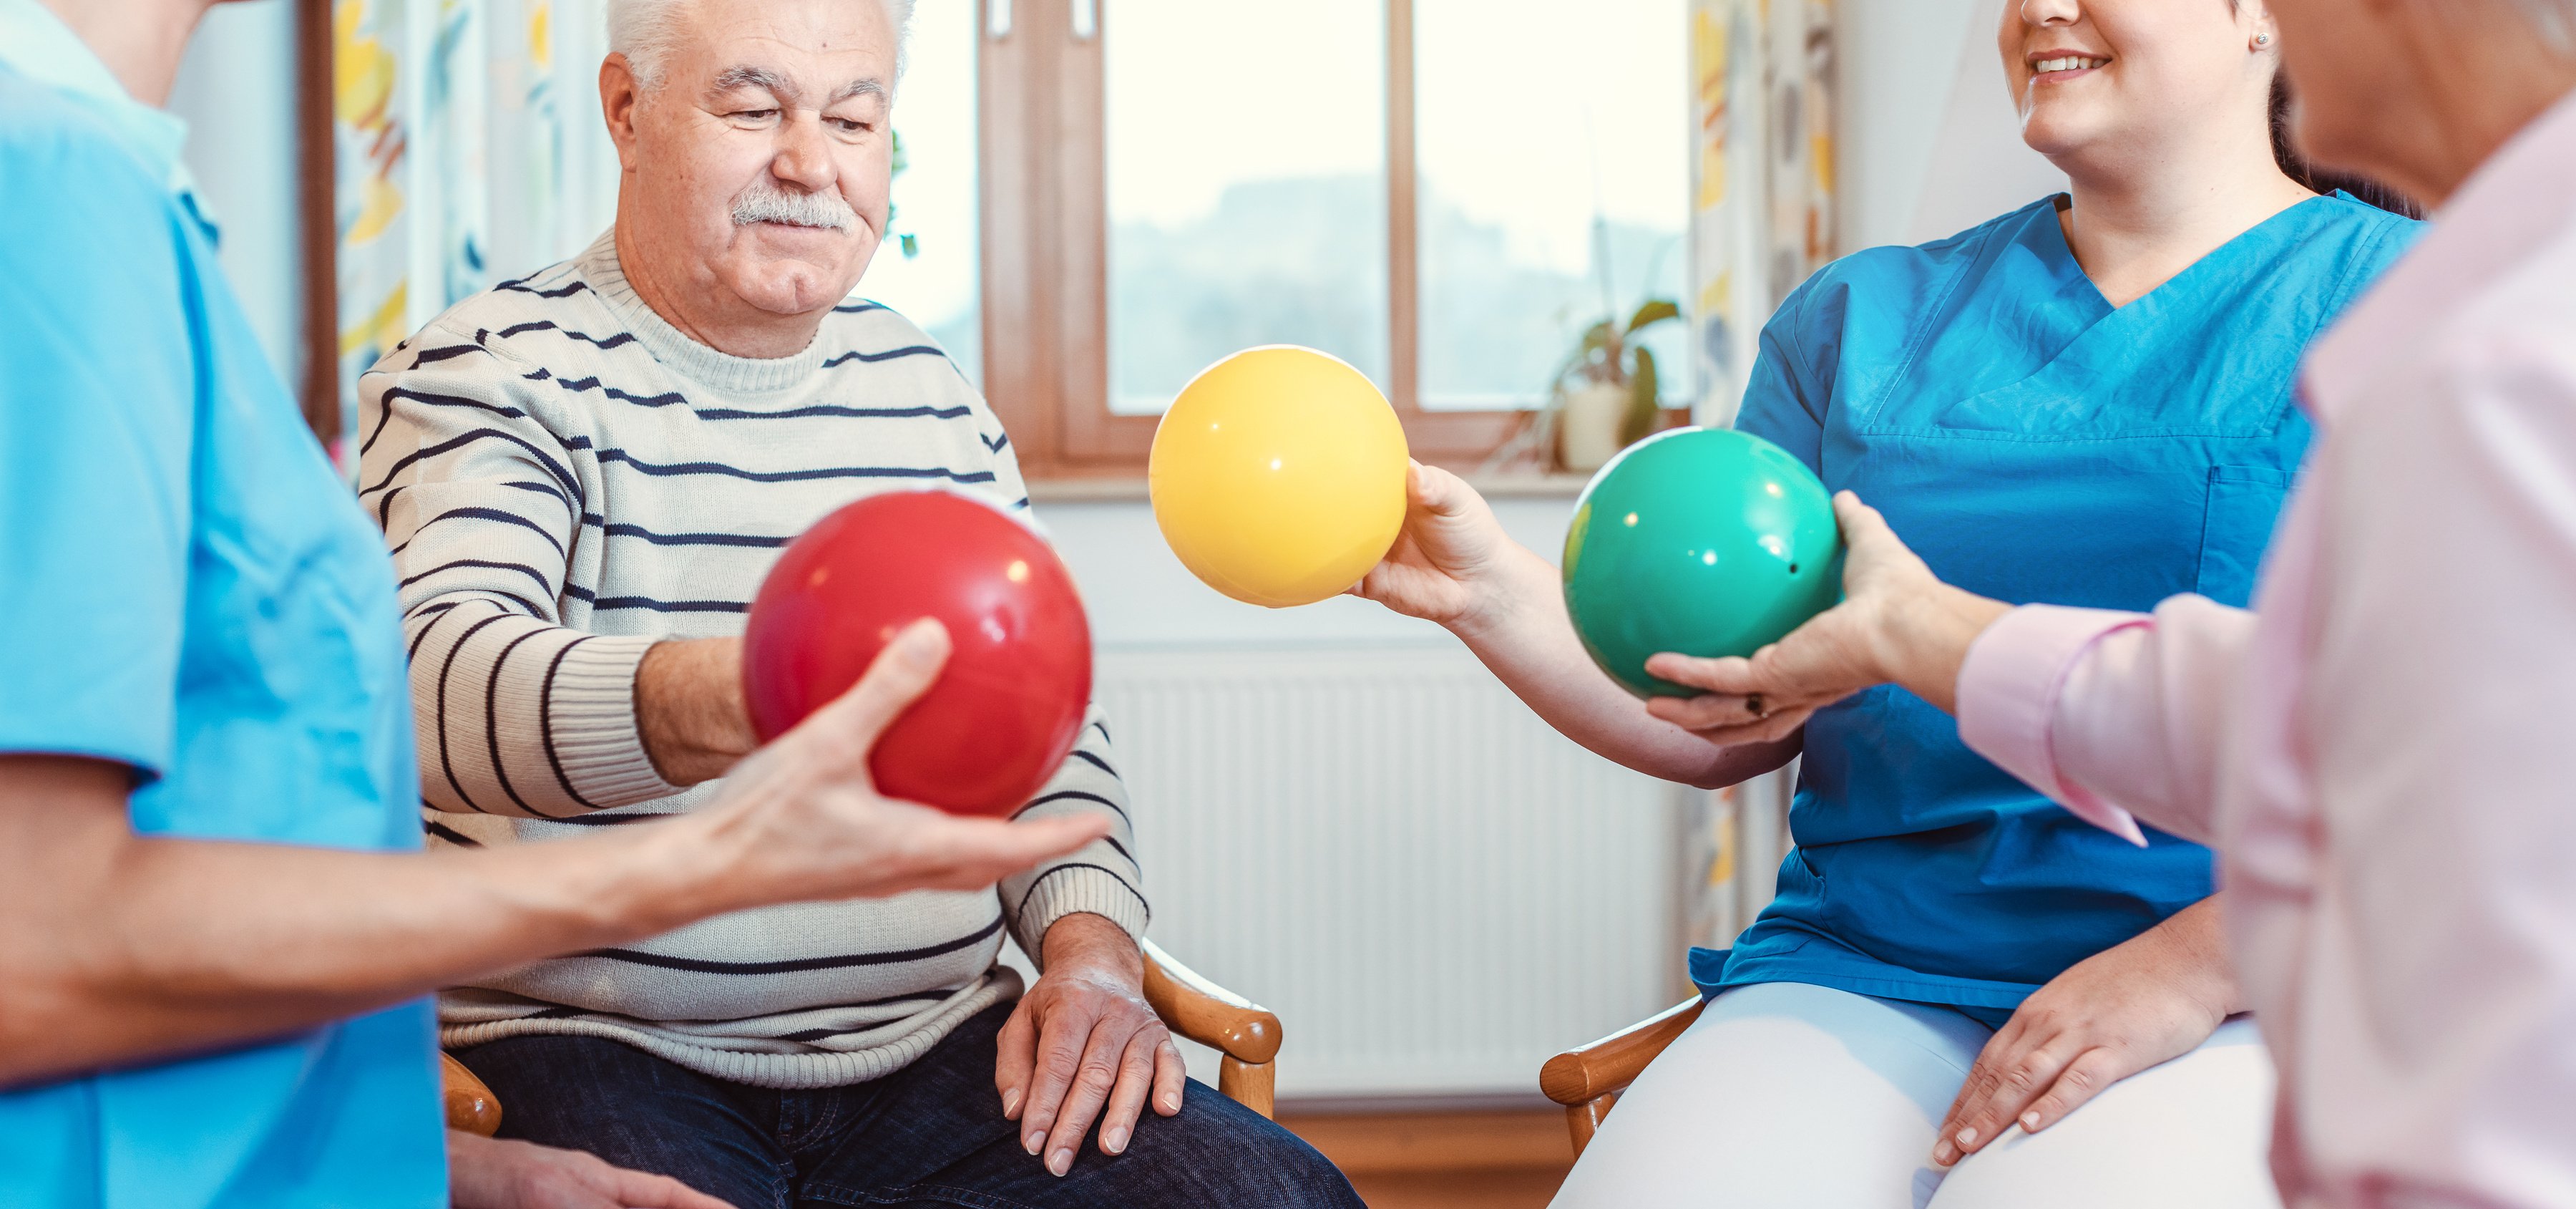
<point x="1247" y="186"/>
<point x="1533" y="117"/>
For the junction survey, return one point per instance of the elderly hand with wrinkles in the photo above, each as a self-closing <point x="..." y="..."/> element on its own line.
<point x="1084" y="1046"/>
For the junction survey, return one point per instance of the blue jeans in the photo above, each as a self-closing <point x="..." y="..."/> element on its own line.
<point x="929" y="1134"/>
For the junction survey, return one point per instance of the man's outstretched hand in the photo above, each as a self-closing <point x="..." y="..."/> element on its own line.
<point x="1084" y="1046"/>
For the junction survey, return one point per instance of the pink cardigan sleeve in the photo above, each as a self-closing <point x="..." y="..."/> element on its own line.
<point x="2116" y="716"/>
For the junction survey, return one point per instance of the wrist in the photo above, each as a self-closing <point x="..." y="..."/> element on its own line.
<point x="1926" y="638"/>
<point x="1502" y="595"/>
<point x="2195" y="943"/>
<point x="677" y="872"/>
<point x="1084" y="941"/>
<point x="689" y="708"/>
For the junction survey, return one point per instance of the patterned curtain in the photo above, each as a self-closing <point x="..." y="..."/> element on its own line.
<point x="468" y="149"/>
<point x="1762" y="221"/>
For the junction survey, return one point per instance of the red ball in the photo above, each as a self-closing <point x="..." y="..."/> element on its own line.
<point x="1010" y="702"/>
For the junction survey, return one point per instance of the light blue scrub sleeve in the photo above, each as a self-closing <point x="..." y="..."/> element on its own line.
<point x="96" y="373"/>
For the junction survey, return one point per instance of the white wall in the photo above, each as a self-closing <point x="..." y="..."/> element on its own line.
<point x="1929" y="144"/>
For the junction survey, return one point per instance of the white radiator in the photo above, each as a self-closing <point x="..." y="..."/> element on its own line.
<point x="1433" y="889"/>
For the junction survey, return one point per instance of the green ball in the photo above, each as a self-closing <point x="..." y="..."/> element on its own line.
<point x="1705" y="541"/>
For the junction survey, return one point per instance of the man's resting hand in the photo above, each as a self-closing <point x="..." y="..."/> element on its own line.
<point x="1084" y="1038"/>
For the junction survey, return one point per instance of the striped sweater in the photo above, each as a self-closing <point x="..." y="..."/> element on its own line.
<point x="565" y="479"/>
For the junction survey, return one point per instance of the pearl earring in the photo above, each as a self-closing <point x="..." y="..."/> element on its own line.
<point x="2262" y="39"/>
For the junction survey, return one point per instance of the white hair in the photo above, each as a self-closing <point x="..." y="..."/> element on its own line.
<point x="643" y="31"/>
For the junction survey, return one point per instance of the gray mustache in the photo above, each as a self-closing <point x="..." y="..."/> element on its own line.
<point x="765" y="202"/>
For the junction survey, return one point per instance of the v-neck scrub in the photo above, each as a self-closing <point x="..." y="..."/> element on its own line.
<point x="2033" y="444"/>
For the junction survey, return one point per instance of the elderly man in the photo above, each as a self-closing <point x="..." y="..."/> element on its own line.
<point x="584" y="476"/>
<point x="214" y="926"/>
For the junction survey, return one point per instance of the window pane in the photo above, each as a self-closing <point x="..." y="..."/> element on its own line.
<point x="1546" y="131"/>
<point x="940" y="286"/>
<point x="1247" y="186"/>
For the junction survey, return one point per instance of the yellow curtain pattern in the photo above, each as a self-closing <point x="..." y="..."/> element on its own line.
<point x="467" y="149"/>
<point x="1762" y="221"/>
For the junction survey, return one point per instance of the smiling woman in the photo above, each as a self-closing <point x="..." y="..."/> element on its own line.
<point x="1964" y="995"/>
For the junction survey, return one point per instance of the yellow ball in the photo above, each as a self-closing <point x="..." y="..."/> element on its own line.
<point x="1278" y="476"/>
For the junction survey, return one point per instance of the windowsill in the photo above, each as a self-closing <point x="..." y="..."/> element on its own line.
<point x="1132" y="488"/>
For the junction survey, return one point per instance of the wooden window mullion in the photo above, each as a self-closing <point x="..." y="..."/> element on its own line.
<point x="1403" y="225"/>
<point x="1097" y="441"/>
<point x="1013" y="77"/>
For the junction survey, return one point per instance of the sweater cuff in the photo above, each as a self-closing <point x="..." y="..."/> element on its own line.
<point x="2009" y="688"/>
<point x="590" y="724"/>
<point x="1073" y="890"/>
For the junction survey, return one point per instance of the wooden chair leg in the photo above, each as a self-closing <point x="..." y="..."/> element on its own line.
<point x="1583" y="1120"/>
<point x="1254" y="1085"/>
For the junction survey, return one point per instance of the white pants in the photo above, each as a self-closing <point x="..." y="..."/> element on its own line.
<point x="1788" y="1096"/>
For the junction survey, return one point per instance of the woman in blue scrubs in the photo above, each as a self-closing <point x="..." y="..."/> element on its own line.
<point x="2087" y="401"/>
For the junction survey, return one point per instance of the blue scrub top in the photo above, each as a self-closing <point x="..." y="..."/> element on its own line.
<point x="2033" y="444"/>
<point x="188" y="589"/>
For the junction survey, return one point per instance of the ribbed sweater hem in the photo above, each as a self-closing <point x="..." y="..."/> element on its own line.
<point x="782" y="1072"/>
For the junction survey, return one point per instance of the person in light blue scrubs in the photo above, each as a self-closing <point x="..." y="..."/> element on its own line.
<point x="1963" y="996"/>
<point x="166" y="523"/>
<point x="215" y="931"/>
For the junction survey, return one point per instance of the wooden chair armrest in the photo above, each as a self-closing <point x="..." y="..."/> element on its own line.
<point x="1606" y="1067"/>
<point x="1207" y="1013"/>
<point x="470" y="1105"/>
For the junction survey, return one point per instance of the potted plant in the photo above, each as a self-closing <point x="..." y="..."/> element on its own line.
<point x="1608" y="396"/>
<point x="1604" y="397"/>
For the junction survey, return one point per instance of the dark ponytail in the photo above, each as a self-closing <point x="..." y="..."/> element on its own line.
<point x="2309" y="175"/>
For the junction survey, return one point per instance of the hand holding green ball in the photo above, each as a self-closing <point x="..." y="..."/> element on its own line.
<point x="1702" y="541"/>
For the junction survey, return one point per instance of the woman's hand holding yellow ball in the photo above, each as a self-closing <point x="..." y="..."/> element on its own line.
<point x="1450" y="562"/>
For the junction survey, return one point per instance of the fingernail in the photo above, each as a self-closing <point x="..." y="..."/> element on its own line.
<point x="916" y="647"/>
<point x="1172" y="1101"/>
<point x="1944" y="1155"/>
<point x="1967" y="1137"/>
<point x="1060" y="1162"/>
<point x="2030" y="1121"/>
<point x="1036" y="1138"/>
<point x="1113" y="1140"/>
<point x="1010" y="1101"/>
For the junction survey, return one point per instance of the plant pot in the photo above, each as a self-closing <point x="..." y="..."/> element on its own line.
<point x="1587" y="431"/>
